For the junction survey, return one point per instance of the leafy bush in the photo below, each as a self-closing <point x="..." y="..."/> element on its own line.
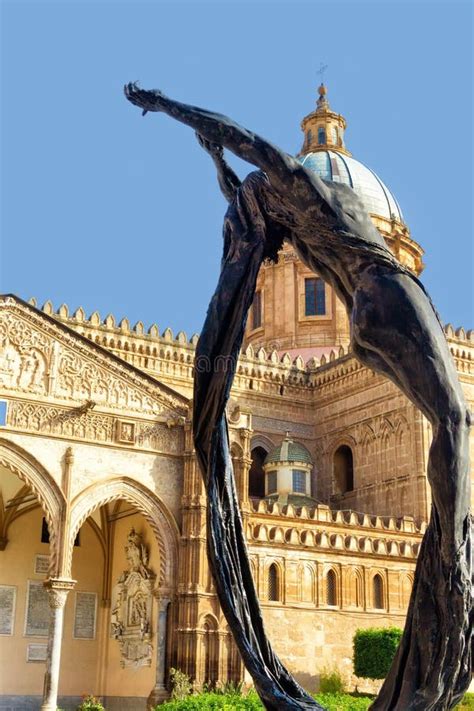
<point x="90" y="703"/>
<point x="374" y="650"/>
<point x="343" y="702"/>
<point x="229" y="688"/>
<point x="215" y="702"/>
<point x="467" y="704"/>
<point x="331" y="682"/>
<point x="180" y="684"/>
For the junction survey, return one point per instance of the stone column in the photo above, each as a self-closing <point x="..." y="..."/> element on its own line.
<point x="160" y="693"/>
<point x="58" y="589"/>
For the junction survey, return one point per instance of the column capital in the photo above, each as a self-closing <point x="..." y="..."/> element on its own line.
<point x="162" y="595"/>
<point x="58" y="589"/>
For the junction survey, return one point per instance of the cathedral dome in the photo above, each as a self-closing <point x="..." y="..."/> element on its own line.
<point x="289" y="451"/>
<point x="342" y="168"/>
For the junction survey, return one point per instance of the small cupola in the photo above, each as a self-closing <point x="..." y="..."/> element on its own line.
<point x="288" y="473"/>
<point x="323" y="129"/>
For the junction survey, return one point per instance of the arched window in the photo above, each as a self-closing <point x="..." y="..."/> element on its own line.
<point x="256" y="474"/>
<point x="321" y="136"/>
<point x="343" y="470"/>
<point x="309" y="137"/>
<point x="377" y="592"/>
<point x="210" y="642"/>
<point x="331" y="588"/>
<point x="307" y="584"/>
<point x="355" y="588"/>
<point x="257" y="310"/>
<point x="406" y="586"/>
<point x="334" y="134"/>
<point x="273" y="583"/>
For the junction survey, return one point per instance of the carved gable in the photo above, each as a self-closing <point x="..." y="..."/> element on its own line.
<point x="41" y="357"/>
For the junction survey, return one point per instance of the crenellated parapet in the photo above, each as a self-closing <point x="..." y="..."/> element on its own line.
<point x="320" y="527"/>
<point x="169" y="356"/>
<point x="461" y="345"/>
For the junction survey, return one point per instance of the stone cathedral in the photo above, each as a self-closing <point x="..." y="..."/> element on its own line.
<point x="104" y="581"/>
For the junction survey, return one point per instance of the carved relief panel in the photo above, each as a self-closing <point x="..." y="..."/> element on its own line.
<point x="40" y="358"/>
<point x="132" y="606"/>
<point x="25" y="355"/>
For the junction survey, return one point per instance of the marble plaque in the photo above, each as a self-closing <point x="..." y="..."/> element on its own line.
<point x="37" y="610"/>
<point x="42" y="564"/>
<point x="85" y="615"/>
<point x="7" y="608"/>
<point x="36" y="652"/>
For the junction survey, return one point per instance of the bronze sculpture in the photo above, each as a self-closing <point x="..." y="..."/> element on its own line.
<point x="395" y="330"/>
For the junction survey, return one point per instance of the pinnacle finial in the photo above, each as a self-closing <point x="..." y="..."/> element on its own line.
<point x="322" y="102"/>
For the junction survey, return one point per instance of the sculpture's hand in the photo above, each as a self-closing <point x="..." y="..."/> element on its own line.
<point x="214" y="149"/>
<point x="148" y="100"/>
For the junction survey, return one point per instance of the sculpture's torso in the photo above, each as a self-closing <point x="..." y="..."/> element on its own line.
<point x="333" y="237"/>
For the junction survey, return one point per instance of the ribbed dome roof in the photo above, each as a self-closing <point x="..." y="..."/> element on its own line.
<point x="339" y="168"/>
<point x="289" y="451"/>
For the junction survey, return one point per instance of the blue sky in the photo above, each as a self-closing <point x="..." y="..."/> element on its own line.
<point x="117" y="213"/>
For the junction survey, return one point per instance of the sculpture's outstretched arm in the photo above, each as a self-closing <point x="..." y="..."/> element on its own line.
<point x="286" y="174"/>
<point x="228" y="181"/>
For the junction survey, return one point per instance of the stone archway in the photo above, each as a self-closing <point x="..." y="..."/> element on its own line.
<point x="45" y="488"/>
<point x="147" y="503"/>
<point x="166" y="533"/>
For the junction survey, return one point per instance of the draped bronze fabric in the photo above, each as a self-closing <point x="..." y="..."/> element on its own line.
<point x="394" y="331"/>
<point x="216" y="359"/>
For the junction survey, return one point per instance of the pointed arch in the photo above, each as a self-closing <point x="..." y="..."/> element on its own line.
<point x="45" y="488"/>
<point x="307" y="578"/>
<point x="343" y="468"/>
<point x="331" y="596"/>
<point x="274" y="582"/>
<point x="355" y="587"/>
<point x="147" y="503"/>
<point x="210" y="644"/>
<point x="406" y="585"/>
<point x="378" y="592"/>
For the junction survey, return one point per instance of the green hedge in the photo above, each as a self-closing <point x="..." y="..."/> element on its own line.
<point x="344" y="702"/>
<point x="215" y="702"/>
<point x="251" y="702"/>
<point x="374" y="650"/>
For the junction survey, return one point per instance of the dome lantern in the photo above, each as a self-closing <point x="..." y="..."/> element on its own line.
<point x="323" y="128"/>
<point x="287" y="470"/>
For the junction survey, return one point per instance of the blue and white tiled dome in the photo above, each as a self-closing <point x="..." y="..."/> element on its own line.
<point x="340" y="168"/>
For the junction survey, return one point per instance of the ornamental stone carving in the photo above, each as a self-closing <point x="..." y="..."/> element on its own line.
<point x="39" y="357"/>
<point x="131" y="611"/>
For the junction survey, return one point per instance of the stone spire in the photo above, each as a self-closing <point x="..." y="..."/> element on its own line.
<point x="323" y="128"/>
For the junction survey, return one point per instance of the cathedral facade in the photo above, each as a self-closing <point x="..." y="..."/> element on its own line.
<point x="104" y="582"/>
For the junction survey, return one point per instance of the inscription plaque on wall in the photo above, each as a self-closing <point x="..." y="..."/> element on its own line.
<point x="36" y="652"/>
<point x="85" y="615"/>
<point x="37" y="610"/>
<point x="7" y="608"/>
<point x="41" y="564"/>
